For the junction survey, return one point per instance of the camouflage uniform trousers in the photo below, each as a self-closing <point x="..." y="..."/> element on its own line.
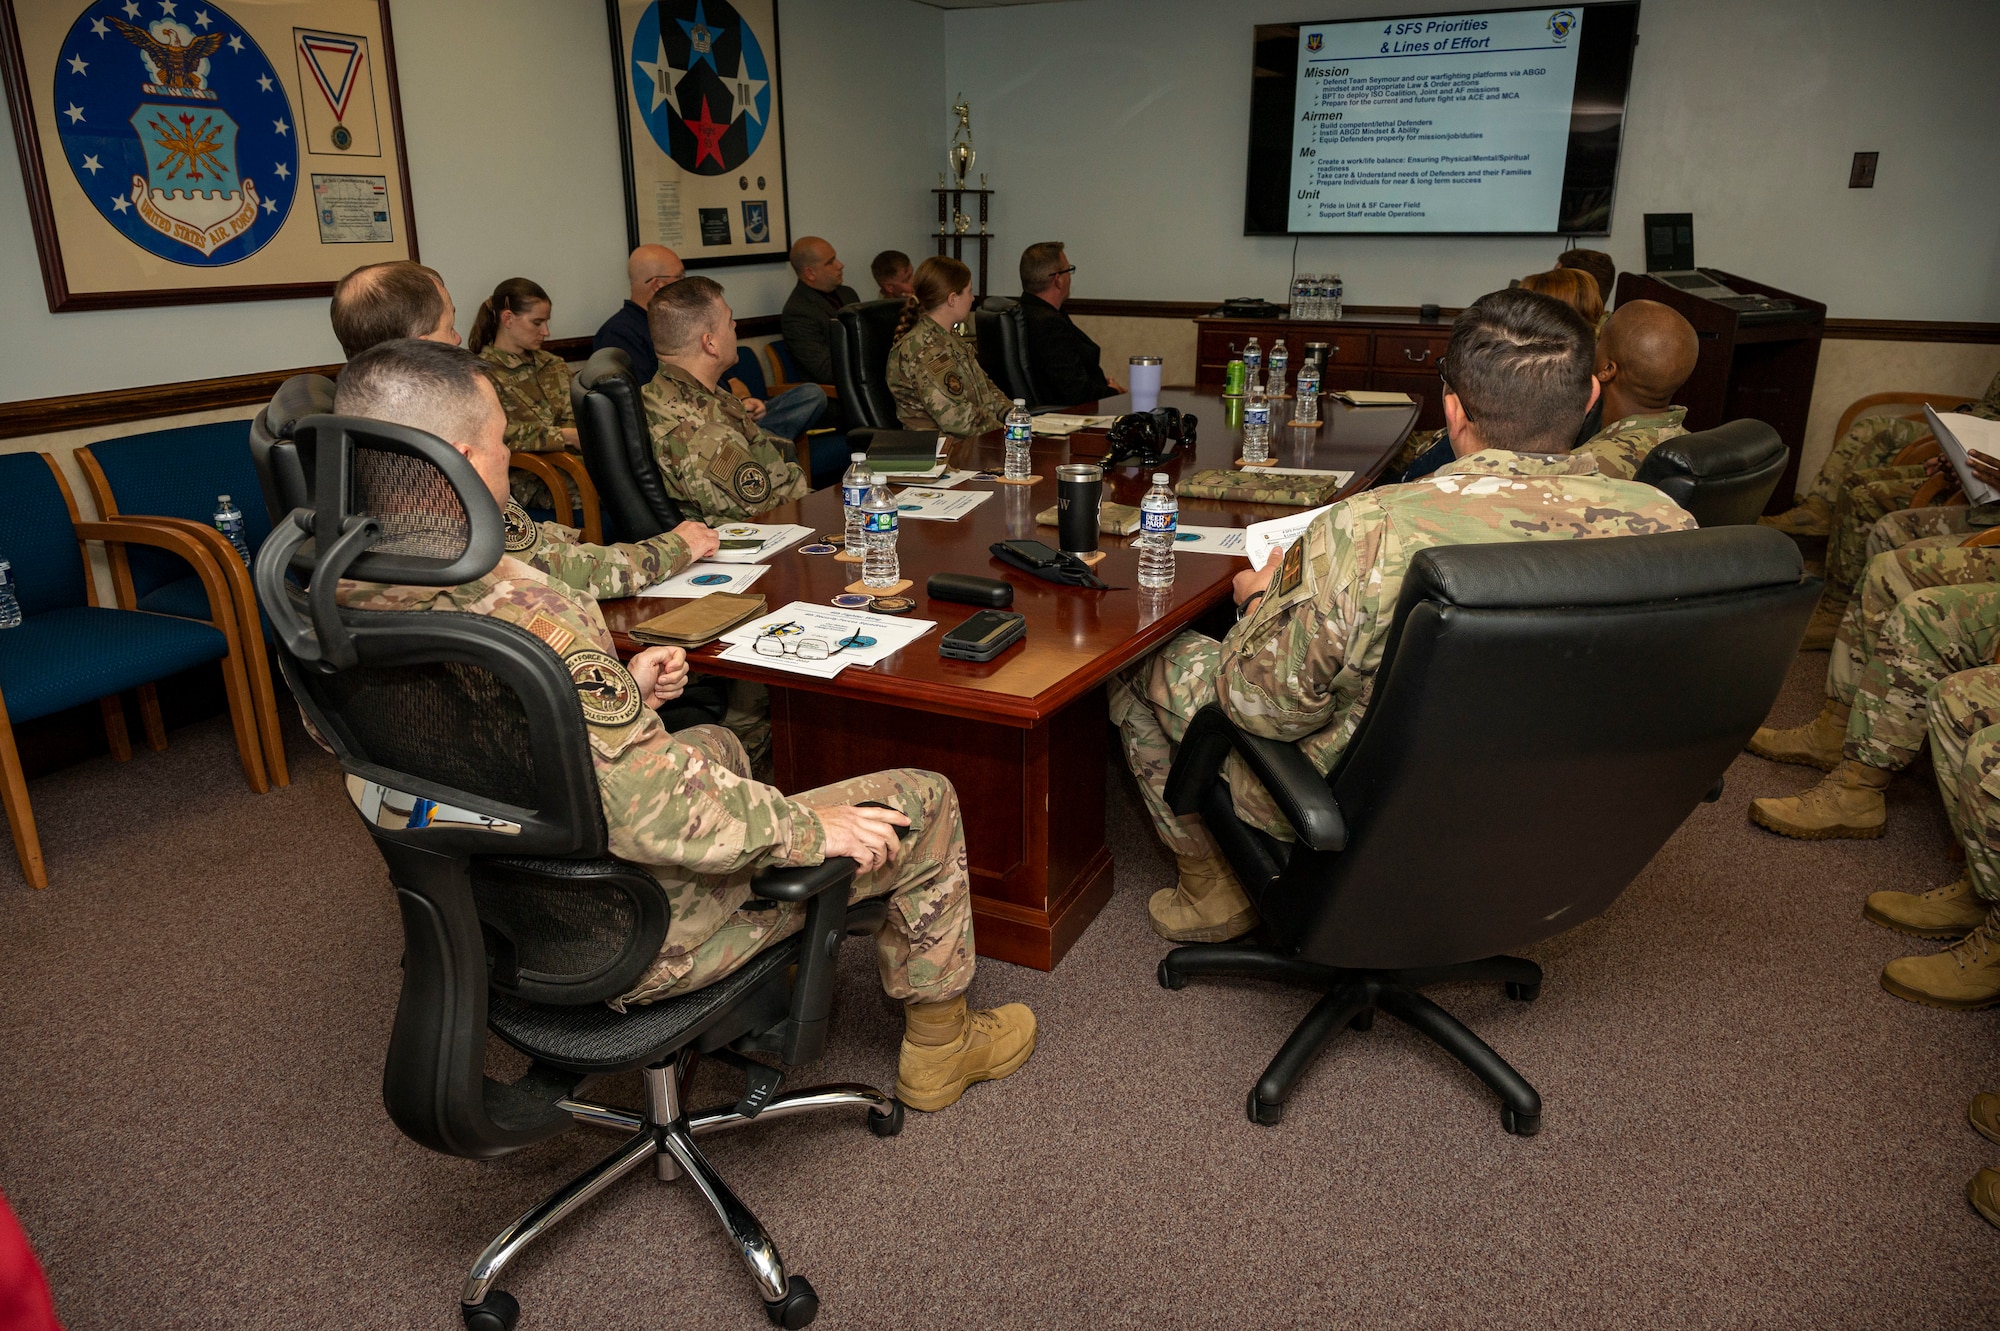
<point x="1152" y="703"/>
<point x="1868" y="497"/>
<point x="1965" y="750"/>
<point x="1938" y="561"/>
<point x="1870" y="442"/>
<point x="924" y="947"/>
<point x="1910" y="525"/>
<point x="1934" y="633"/>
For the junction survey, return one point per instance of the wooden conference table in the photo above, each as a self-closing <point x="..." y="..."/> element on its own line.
<point x="1024" y="737"/>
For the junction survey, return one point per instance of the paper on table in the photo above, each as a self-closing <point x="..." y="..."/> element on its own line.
<point x="942" y="481"/>
<point x="705" y="578"/>
<point x="1361" y="397"/>
<point x="930" y="474"/>
<point x="1210" y="540"/>
<point x="1056" y="422"/>
<point x="1261" y="538"/>
<point x="769" y="538"/>
<point x="1956" y="433"/>
<point x="934" y="505"/>
<point x="826" y="669"/>
<point x="883" y="635"/>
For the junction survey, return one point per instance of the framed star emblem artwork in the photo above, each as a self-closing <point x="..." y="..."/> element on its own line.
<point x="701" y="125"/>
<point x="181" y="152"/>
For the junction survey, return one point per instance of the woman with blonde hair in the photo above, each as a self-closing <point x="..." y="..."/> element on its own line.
<point x="1574" y="288"/>
<point x="936" y="380"/>
<point x="507" y="334"/>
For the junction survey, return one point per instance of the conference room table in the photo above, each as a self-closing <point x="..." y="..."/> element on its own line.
<point x="1024" y="738"/>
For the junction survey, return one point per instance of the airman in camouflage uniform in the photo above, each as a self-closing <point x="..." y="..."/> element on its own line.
<point x="1621" y="446"/>
<point x="1301" y="666"/>
<point x="715" y="460"/>
<point x="534" y="392"/>
<point x="602" y="572"/>
<point x="939" y="384"/>
<point x="1870" y="442"/>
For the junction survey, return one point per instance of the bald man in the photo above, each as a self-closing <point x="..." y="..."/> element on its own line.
<point x="809" y="310"/>
<point x="1644" y="355"/>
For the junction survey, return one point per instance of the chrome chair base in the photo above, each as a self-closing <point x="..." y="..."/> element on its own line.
<point x="665" y="1136"/>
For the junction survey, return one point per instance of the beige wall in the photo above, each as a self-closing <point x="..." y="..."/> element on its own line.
<point x="1124" y="338"/>
<point x="1850" y="370"/>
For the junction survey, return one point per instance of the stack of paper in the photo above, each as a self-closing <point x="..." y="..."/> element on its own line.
<point x="1261" y="538"/>
<point x="749" y="542"/>
<point x="1210" y="540"/>
<point x="930" y="504"/>
<point x="941" y="479"/>
<point x="705" y="579"/>
<point x="870" y="638"/>
<point x="1361" y="397"/>
<point x="1055" y="422"/>
<point x="1957" y="434"/>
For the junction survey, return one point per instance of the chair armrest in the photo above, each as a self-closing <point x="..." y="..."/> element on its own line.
<point x="592" y="525"/>
<point x="168" y="534"/>
<point x="235" y="573"/>
<point x="805" y="881"/>
<point x="541" y="469"/>
<point x="1991" y="536"/>
<point x="832" y="393"/>
<point x="1917" y="450"/>
<point x="1300" y="791"/>
<point x="1940" y="491"/>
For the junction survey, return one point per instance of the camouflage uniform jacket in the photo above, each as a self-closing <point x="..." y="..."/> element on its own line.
<point x="597" y="571"/>
<point x="1302" y="664"/>
<point x="534" y="388"/>
<point x="694" y="823"/>
<point x="938" y="383"/>
<point x="714" y="459"/>
<point x="1622" y="445"/>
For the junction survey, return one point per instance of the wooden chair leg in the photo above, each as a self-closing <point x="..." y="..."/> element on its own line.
<point x="150" y="719"/>
<point x="265" y="695"/>
<point x="20" y="818"/>
<point x="115" y="733"/>
<point x="243" y="716"/>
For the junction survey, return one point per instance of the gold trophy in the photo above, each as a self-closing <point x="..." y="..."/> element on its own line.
<point x="961" y="154"/>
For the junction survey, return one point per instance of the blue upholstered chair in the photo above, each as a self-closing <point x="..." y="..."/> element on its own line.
<point x="826" y="446"/>
<point x="173" y="477"/>
<point x="68" y="650"/>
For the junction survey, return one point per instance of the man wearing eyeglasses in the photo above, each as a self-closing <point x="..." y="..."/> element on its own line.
<point x="1066" y="364"/>
<point x="1300" y="663"/>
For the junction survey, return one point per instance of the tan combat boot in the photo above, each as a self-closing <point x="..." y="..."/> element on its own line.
<point x="1814" y="744"/>
<point x="1847" y="804"/>
<point x="1207" y="906"/>
<point x="1951" y="911"/>
<point x="946" y="1049"/>
<point x="1984" y="1112"/>
<point x="1984" y="1194"/>
<point x="1814" y="517"/>
<point x="1823" y="625"/>
<point x="1963" y="978"/>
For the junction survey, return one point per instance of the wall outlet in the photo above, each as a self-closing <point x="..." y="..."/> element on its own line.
<point x="1862" y="174"/>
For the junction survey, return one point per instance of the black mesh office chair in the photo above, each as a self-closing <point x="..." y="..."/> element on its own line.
<point x="862" y="335"/>
<point x="1002" y="329"/>
<point x="466" y="753"/>
<point x="618" y="449"/>
<point x="1723" y="476"/>
<point x="1545" y="716"/>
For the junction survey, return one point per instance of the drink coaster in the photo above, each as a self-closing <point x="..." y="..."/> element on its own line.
<point x="1093" y="558"/>
<point x="863" y="589"/>
<point x="1304" y="425"/>
<point x="1270" y="462"/>
<point x="1025" y="480"/>
<point x="818" y="548"/>
<point x="845" y="558"/>
<point x="891" y="605"/>
<point x="853" y="601"/>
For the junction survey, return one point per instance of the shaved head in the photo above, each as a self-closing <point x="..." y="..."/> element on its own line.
<point x="815" y="263"/>
<point x="1647" y="351"/>
<point x="650" y="268"/>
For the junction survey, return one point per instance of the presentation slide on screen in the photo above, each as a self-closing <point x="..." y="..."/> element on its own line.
<point x="1434" y="124"/>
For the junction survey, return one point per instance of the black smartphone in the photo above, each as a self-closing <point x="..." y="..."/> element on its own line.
<point x="984" y="636"/>
<point x="1041" y="556"/>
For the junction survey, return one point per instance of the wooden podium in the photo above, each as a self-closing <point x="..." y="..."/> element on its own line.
<point x="1758" y="364"/>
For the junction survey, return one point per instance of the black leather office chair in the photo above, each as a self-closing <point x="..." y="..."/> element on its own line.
<point x="1002" y="330"/>
<point x="862" y="335"/>
<point x="466" y="753"/>
<point x="618" y="449"/>
<point x="1545" y="716"/>
<point x="271" y="450"/>
<point x="1723" y="476"/>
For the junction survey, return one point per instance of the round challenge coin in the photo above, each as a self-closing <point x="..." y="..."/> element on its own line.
<point x="892" y="605"/>
<point x="817" y="548"/>
<point x="853" y="601"/>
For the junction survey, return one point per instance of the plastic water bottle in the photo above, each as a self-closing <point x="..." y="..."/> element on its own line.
<point x="1256" y="425"/>
<point x="854" y="493"/>
<point x="1159" y="520"/>
<point x="1305" y="410"/>
<point x="10" y="604"/>
<point x="1333" y="295"/>
<point x="229" y="521"/>
<point x="1281" y="361"/>
<point x="879" y="565"/>
<point x="1020" y="440"/>
<point x="1253" y="365"/>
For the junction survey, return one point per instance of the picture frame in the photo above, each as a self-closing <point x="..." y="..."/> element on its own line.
<point x="704" y="161"/>
<point x="144" y="128"/>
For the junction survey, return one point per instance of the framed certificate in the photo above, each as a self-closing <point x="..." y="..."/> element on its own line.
<point x="701" y="127"/>
<point x="180" y="152"/>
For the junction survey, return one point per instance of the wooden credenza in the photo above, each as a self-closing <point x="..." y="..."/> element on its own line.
<point x="1383" y="352"/>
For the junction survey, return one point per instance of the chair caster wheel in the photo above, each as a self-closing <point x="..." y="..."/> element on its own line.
<point x="1261" y="1112"/>
<point x="1526" y="993"/>
<point x="1171" y="978"/>
<point x="498" y="1311"/>
<point x="886" y="1125"/>
<point x="1521" y="1125"/>
<point x="799" y="1306"/>
<point x="1364" y="1020"/>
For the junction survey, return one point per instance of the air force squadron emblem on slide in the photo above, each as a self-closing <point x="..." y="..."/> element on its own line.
<point x="176" y="128"/>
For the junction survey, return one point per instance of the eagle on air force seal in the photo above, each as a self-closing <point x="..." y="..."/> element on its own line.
<point x="522" y="531"/>
<point x="605" y="689"/>
<point x="751" y="482"/>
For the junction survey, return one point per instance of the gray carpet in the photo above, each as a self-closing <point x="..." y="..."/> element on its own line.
<point x="1741" y="1127"/>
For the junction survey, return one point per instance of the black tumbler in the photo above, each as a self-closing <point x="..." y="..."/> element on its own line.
<point x="1079" y="487"/>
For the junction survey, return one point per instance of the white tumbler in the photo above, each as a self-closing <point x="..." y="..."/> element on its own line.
<point x="1145" y="382"/>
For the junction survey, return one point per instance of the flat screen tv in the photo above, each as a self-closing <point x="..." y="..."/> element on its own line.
<point x="1496" y="121"/>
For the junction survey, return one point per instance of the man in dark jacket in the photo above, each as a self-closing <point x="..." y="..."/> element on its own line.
<point x="808" y="315"/>
<point x="1061" y="356"/>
